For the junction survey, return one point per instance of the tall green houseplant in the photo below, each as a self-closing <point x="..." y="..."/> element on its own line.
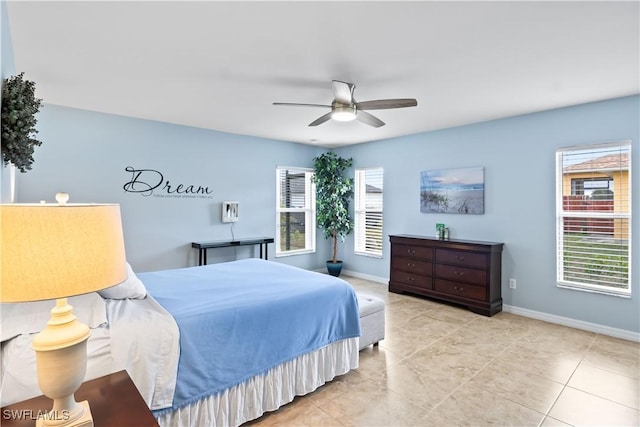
<point x="334" y="190"/>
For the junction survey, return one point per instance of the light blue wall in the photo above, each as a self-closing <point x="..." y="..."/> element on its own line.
<point x="7" y="60"/>
<point x="7" y="69"/>
<point x="86" y="154"/>
<point x="518" y="155"/>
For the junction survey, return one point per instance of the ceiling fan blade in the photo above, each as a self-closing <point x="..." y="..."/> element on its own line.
<point x="383" y="104"/>
<point x="320" y="120"/>
<point x="369" y="119"/>
<point x="343" y="92"/>
<point x="295" y="104"/>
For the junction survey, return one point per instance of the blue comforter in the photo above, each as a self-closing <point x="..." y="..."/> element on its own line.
<point x="240" y="319"/>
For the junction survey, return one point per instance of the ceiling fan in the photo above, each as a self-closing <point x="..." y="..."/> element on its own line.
<point x="345" y="108"/>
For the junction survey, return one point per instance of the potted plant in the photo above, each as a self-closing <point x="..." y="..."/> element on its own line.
<point x="333" y="192"/>
<point x="19" y="108"/>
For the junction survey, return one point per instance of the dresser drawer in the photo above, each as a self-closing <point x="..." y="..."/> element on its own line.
<point x="414" y="266"/>
<point x="461" y="289"/>
<point x="462" y="258"/>
<point x="462" y="274"/>
<point x="409" y="251"/>
<point x="411" y="279"/>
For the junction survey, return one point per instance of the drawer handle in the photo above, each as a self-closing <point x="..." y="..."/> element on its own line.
<point x="457" y="289"/>
<point x="460" y="258"/>
<point x="458" y="273"/>
<point x="410" y="279"/>
<point x="410" y="265"/>
<point x="411" y="251"/>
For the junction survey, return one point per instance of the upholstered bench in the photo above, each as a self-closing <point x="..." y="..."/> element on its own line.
<point x="371" y="320"/>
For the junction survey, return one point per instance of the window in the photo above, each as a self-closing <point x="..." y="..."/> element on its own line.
<point x="598" y="187"/>
<point x="295" y="211"/>
<point x="594" y="218"/>
<point x="368" y="212"/>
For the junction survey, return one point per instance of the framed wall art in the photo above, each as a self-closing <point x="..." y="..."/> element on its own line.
<point x="457" y="191"/>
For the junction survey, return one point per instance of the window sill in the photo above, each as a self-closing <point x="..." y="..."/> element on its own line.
<point x="292" y="253"/>
<point x="368" y="254"/>
<point x="596" y="290"/>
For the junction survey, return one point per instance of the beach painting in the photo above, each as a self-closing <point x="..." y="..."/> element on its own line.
<point x="458" y="191"/>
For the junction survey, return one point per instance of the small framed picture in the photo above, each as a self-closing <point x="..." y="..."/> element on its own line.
<point x="229" y="211"/>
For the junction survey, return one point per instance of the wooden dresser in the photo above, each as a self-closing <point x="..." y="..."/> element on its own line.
<point x="465" y="272"/>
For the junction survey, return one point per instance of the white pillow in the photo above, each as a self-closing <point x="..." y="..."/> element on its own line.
<point x="32" y="317"/>
<point x="131" y="288"/>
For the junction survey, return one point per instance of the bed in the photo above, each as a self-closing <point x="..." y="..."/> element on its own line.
<point x="212" y="345"/>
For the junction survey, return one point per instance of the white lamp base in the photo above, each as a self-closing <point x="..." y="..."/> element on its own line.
<point x="61" y="362"/>
<point x="59" y="420"/>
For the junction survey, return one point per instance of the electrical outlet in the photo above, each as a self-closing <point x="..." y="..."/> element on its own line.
<point x="512" y="283"/>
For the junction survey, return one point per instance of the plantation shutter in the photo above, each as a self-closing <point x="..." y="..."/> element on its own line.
<point x="594" y="217"/>
<point x="368" y="211"/>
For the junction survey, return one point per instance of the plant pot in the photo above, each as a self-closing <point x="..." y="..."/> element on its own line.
<point x="334" y="268"/>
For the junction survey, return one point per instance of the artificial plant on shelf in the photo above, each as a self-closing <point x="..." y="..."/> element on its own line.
<point x="334" y="190"/>
<point x="19" y="109"/>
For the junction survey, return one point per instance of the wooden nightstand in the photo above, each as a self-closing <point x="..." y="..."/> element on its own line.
<point x="114" y="401"/>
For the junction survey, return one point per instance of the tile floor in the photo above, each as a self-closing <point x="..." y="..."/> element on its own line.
<point x="441" y="365"/>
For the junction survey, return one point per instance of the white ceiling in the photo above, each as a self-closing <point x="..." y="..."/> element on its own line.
<point x="220" y="65"/>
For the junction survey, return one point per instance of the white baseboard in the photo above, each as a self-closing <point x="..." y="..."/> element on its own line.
<point x="573" y="323"/>
<point x="369" y="277"/>
<point x="551" y="318"/>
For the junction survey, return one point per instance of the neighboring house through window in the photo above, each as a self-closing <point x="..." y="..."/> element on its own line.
<point x="295" y="211"/>
<point x="368" y="212"/>
<point x="594" y="218"/>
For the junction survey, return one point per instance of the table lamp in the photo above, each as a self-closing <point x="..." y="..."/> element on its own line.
<point x="51" y="251"/>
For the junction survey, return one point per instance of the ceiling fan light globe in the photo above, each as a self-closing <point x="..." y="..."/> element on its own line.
<point x="344" y="114"/>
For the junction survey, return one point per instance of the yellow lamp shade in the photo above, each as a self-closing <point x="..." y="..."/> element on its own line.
<point x="53" y="251"/>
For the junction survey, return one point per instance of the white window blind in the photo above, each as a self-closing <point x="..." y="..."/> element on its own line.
<point x="594" y="218"/>
<point x="368" y="211"/>
<point x="295" y="211"/>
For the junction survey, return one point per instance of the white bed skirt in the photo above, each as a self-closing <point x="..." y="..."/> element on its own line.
<point x="263" y="393"/>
